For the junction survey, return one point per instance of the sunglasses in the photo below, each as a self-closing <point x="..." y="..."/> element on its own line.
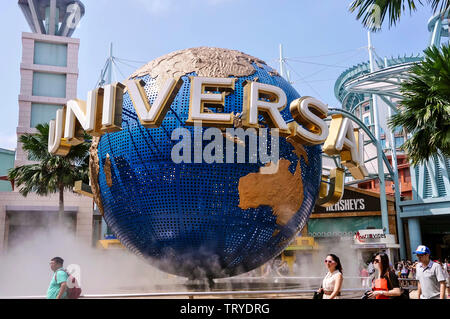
<point x="420" y="255"/>
<point x="329" y="261"/>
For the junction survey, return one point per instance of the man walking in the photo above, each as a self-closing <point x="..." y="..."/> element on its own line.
<point x="431" y="277"/>
<point x="58" y="285"/>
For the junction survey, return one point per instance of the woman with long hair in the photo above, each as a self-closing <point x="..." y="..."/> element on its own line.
<point x="385" y="285"/>
<point x="332" y="283"/>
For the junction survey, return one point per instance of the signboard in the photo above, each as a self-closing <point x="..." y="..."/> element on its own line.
<point x="352" y="201"/>
<point x="369" y="237"/>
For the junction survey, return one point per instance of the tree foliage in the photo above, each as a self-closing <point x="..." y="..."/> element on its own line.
<point x="425" y="110"/>
<point x="374" y="12"/>
<point x="51" y="173"/>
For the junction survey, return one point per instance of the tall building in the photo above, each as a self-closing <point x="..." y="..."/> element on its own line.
<point x="49" y="74"/>
<point x="49" y="67"/>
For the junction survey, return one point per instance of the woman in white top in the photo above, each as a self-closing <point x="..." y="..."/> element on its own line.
<point x="332" y="283"/>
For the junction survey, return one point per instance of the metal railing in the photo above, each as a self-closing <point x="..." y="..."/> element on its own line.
<point x="410" y="284"/>
<point x="200" y="294"/>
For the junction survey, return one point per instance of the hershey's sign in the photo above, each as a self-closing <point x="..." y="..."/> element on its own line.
<point x="353" y="204"/>
<point x="352" y="201"/>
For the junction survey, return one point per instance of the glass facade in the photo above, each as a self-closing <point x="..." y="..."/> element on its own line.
<point x="49" y="84"/>
<point x="366" y="120"/>
<point x="50" y="54"/>
<point x="43" y="113"/>
<point x="399" y="140"/>
<point x="344" y="226"/>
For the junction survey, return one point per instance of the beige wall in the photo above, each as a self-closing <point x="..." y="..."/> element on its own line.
<point x="84" y="215"/>
<point x="2" y="227"/>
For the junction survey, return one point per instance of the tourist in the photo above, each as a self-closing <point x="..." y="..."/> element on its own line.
<point x="332" y="283"/>
<point x="282" y="269"/>
<point x="446" y="267"/>
<point x="432" y="280"/>
<point x="58" y="286"/>
<point x="398" y="269"/>
<point x="364" y="274"/>
<point x="386" y="285"/>
<point x="404" y="271"/>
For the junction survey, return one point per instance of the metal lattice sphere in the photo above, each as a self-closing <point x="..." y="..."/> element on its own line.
<point x="198" y="219"/>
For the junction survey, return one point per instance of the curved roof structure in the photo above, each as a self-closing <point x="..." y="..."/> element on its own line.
<point x="350" y="98"/>
<point x="386" y="81"/>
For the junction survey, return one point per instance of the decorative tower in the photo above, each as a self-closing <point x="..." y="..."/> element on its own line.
<point x="49" y="68"/>
<point x="49" y="74"/>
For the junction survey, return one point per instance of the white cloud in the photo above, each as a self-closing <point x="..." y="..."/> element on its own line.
<point x="8" y="142"/>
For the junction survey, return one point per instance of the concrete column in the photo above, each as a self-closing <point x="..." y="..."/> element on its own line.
<point x="415" y="236"/>
<point x="390" y="253"/>
<point x="84" y="225"/>
<point x="2" y="228"/>
<point x="104" y="229"/>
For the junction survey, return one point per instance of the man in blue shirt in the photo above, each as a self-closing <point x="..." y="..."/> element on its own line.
<point x="58" y="286"/>
<point x="430" y="275"/>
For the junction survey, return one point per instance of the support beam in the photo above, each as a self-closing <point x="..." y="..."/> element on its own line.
<point x="52" y="23"/>
<point x="415" y="236"/>
<point x="397" y="192"/>
<point x="414" y="186"/>
<point x="27" y="13"/>
<point x="281" y="61"/>
<point x="421" y="184"/>
<point x="37" y="20"/>
<point x="383" y="200"/>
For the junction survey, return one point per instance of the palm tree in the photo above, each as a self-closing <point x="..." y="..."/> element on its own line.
<point x="373" y="12"/>
<point x="52" y="173"/>
<point x="425" y="110"/>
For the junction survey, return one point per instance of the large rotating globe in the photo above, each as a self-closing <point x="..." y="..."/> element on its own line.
<point x="197" y="220"/>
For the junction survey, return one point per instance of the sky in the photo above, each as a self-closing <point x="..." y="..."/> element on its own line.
<point x="320" y="39"/>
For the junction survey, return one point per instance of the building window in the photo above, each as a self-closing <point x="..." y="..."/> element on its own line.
<point x="43" y="113"/>
<point x="49" y="84"/>
<point x="366" y="121"/>
<point x="398" y="130"/>
<point x="50" y="54"/>
<point x="367" y="108"/>
<point x="407" y="175"/>
<point x="399" y="141"/>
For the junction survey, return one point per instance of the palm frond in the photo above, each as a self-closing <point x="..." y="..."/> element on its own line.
<point x="425" y="110"/>
<point x="374" y="12"/>
<point x="52" y="171"/>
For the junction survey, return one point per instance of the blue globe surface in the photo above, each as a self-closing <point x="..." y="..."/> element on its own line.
<point x="185" y="218"/>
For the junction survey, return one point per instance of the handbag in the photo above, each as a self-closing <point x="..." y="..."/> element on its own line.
<point x="318" y="295"/>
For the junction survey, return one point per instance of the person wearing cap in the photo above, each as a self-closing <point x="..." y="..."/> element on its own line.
<point x="431" y="277"/>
